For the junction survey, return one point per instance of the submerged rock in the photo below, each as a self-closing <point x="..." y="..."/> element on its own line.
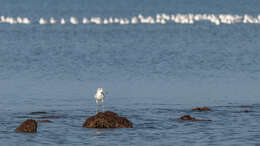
<point x="246" y="106"/>
<point x="245" y="111"/>
<point x="44" y="121"/>
<point x="107" y="119"/>
<point x="37" y="113"/>
<point x="28" y="126"/>
<point x="201" y="109"/>
<point x="189" y="118"/>
<point x="50" y="117"/>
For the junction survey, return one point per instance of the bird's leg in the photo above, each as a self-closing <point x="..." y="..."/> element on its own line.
<point x="103" y="105"/>
<point x="96" y="106"/>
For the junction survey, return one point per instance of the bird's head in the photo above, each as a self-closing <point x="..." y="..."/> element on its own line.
<point x="100" y="90"/>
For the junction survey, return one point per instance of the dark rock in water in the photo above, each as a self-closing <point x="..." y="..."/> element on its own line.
<point x="201" y="109"/>
<point x="44" y="121"/>
<point x="107" y="119"/>
<point x="23" y="117"/>
<point x="245" y="111"/>
<point x="37" y="113"/>
<point x="246" y="106"/>
<point x="28" y="126"/>
<point x="189" y="118"/>
<point x="50" y="117"/>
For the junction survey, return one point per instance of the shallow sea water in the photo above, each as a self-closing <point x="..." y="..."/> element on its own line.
<point x="156" y="122"/>
<point x="152" y="74"/>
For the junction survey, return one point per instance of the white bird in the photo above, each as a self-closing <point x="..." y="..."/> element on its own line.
<point x="19" y="20"/>
<point x="112" y="21"/>
<point x="99" y="96"/>
<point x="62" y="21"/>
<point x="2" y="19"/>
<point x="105" y="21"/>
<point x="26" y="20"/>
<point x="43" y="21"/>
<point x="85" y="20"/>
<point x="52" y="20"/>
<point x="74" y="20"/>
<point x="134" y="20"/>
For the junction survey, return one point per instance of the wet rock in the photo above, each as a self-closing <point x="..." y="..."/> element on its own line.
<point x="189" y="118"/>
<point x="44" y="121"/>
<point x="107" y="119"/>
<point x="201" y="109"/>
<point x="28" y="126"/>
<point x="37" y="113"/>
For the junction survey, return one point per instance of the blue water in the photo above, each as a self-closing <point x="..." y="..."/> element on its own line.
<point x="153" y="74"/>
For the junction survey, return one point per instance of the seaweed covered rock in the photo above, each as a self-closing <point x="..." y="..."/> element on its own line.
<point x="189" y="118"/>
<point x="107" y="119"/>
<point x="201" y="109"/>
<point x="28" y="126"/>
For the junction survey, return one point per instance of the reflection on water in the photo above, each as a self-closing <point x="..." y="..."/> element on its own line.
<point x="100" y="132"/>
